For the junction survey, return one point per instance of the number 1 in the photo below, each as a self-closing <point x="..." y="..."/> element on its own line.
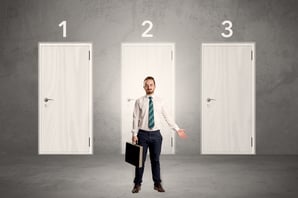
<point x="63" y="23"/>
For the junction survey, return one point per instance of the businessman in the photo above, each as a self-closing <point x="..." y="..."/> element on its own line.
<point x="147" y="115"/>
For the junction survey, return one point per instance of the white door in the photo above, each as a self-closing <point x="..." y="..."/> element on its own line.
<point x="228" y="98"/>
<point x="65" y="98"/>
<point x="138" y="61"/>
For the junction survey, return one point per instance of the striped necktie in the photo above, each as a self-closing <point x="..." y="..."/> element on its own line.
<point x="151" y="114"/>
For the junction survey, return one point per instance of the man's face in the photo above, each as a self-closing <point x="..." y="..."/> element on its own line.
<point x="149" y="86"/>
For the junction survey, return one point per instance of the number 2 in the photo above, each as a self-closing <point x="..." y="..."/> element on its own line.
<point x="227" y="28"/>
<point x="63" y="23"/>
<point x="145" y="34"/>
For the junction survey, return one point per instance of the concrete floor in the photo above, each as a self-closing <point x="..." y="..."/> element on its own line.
<point x="183" y="176"/>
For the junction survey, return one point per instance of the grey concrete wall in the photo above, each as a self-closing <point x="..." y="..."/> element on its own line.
<point x="271" y="24"/>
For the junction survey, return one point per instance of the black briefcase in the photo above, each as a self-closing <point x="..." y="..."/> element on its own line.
<point x="134" y="154"/>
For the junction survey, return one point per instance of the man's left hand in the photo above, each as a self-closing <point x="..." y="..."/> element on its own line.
<point x="181" y="133"/>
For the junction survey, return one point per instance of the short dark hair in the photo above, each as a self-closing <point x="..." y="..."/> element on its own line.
<point x="149" y="78"/>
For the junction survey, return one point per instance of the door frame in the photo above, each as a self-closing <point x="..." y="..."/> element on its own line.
<point x="172" y="45"/>
<point x="253" y="97"/>
<point x="40" y="99"/>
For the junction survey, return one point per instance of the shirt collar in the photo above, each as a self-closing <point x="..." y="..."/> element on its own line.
<point x="147" y="96"/>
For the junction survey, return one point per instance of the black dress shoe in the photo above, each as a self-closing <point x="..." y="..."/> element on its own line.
<point x="159" y="188"/>
<point x="136" y="188"/>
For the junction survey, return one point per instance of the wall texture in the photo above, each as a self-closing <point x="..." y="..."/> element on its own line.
<point x="271" y="24"/>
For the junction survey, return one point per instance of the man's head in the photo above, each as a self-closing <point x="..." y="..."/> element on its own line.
<point x="149" y="85"/>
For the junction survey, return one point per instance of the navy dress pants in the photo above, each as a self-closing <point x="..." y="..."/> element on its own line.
<point x="153" y="141"/>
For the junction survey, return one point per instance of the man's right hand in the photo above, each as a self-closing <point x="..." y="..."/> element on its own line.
<point x="134" y="139"/>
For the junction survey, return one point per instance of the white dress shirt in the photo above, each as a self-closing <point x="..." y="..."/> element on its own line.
<point x="141" y="113"/>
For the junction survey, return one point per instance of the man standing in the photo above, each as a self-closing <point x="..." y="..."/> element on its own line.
<point x="147" y="115"/>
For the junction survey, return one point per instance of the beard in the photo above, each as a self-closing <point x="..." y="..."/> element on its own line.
<point x="148" y="92"/>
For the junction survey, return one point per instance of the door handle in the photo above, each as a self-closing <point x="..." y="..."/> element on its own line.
<point x="47" y="99"/>
<point x="130" y="99"/>
<point x="210" y="99"/>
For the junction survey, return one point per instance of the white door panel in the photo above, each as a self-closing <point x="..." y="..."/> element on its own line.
<point x="65" y="78"/>
<point x="228" y="111"/>
<point x="138" y="61"/>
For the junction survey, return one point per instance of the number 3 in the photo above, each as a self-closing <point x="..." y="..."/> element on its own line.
<point x="227" y="28"/>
